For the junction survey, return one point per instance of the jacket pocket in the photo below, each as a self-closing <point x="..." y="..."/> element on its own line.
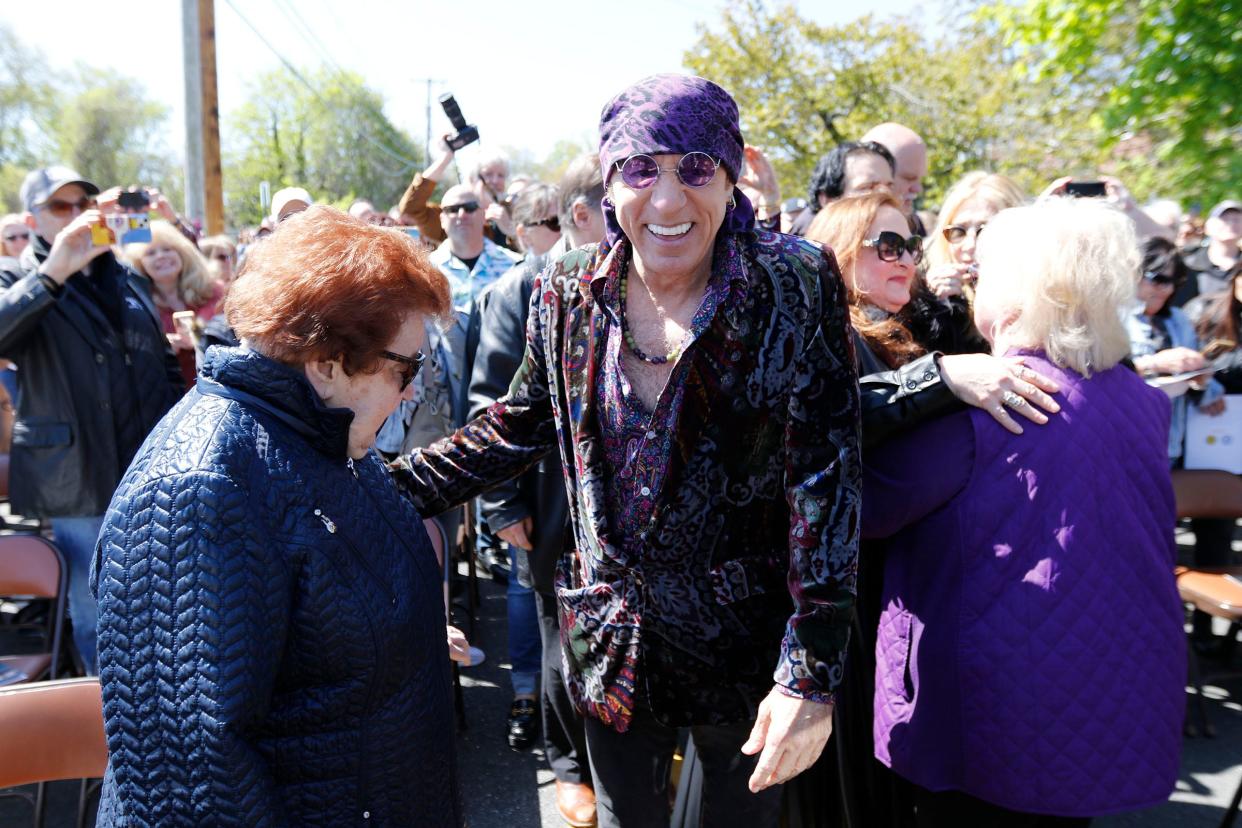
<point x="896" y="668"/>
<point x="42" y="433"/>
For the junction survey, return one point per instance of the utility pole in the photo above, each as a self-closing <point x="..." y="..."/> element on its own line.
<point x="204" y="194"/>
<point x="213" y="187"/>
<point x="194" y="205"/>
<point x="427" y="142"/>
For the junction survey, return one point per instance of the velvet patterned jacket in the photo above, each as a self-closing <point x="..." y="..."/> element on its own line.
<point x="748" y="562"/>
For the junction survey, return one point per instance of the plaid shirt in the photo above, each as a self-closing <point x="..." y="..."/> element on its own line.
<point x="759" y="502"/>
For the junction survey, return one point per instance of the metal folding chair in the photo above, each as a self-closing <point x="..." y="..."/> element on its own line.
<point x="59" y="728"/>
<point x="1205" y="493"/>
<point x="32" y="567"/>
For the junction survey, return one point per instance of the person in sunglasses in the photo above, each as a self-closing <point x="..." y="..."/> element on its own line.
<point x="95" y="373"/>
<point x="14" y="236"/>
<point x="1164" y="341"/>
<point x="535" y="218"/>
<point x="1029" y="605"/>
<point x="967" y="208"/>
<point x="260" y="579"/>
<point x="696" y="378"/>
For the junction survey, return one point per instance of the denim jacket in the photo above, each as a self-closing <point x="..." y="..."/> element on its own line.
<point x="1182" y="334"/>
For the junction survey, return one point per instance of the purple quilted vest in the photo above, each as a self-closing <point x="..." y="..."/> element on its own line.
<point x="1031" y="650"/>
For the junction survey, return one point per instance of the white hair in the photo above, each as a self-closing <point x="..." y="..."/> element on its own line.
<point x="1061" y="271"/>
<point x="486" y="160"/>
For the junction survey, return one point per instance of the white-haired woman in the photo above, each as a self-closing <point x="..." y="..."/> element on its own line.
<point x="1031" y="624"/>
<point x="180" y="280"/>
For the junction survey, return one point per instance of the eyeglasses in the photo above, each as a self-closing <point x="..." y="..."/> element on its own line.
<point x="467" y="206"/>
<point x="954" y="233"/>
<point x="694" y="169"/>
<point x="889" y="246"/>
<point x="60" y="208"/>
<point x="24" y="235"/>
<point x="553" y="224"/>
<point x="409" y="365"/>
<point x="1158" y="278"/>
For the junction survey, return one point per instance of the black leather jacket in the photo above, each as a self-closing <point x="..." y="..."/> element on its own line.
<point x="540" y="492"/>
<point x="66" y="456"/>
<point x="894" y="400"/>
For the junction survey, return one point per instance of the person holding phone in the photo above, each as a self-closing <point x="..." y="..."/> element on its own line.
<point x="180" y="280"/>
<point x="1115" y="193"/>
<point x="96" y="373"/>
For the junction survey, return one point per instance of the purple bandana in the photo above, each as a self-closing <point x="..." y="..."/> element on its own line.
<point x="674" y="114"/>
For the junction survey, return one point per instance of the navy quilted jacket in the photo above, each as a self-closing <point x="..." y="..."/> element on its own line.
<point x="271" y="631"/>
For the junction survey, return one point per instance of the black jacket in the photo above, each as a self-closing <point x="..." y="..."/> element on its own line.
<point x="84" y="389"/>
<point x="540" y="492"/>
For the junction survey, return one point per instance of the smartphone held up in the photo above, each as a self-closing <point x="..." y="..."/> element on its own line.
<point x="129" y="223"/>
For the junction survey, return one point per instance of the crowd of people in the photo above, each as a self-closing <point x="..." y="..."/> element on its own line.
<point x="780" y="473"/>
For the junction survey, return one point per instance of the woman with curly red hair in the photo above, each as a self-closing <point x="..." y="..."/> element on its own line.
<point x="271" y="635"/>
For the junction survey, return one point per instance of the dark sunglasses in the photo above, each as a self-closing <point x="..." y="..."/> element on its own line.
<point x="694" y="169"/>
<point x="954" y="233"/>
<point x="1158" y="278"/>
<point x="889" y="246"/>
<point x="467" y="206"/>
<point x="25" y="235"/>
<point x="63" y="208"/>
<point x="409" y="365"/>
<point x="553" y="224"/>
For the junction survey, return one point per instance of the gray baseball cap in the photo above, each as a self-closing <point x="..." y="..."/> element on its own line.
<point x="1224" y="207"/>
<point x="40" y="184"/>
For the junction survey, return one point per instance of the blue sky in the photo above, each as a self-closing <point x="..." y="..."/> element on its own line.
<point x="526" y="73"/>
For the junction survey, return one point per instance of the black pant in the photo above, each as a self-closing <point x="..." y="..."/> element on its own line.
<point x="631" y="773"/>
<point x="564" y="741"/>
<point x="954" y="809"/>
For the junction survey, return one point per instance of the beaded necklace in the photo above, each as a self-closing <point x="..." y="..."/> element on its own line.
<point x="671" y="356"/>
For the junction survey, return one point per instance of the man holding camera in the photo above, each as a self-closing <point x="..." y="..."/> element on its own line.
<point x="418" y="211"/>
<point x="95" y="373"/>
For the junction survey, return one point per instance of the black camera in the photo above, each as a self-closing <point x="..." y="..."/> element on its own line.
<point x="466" y="133"/>
<point x="133" y="201"/>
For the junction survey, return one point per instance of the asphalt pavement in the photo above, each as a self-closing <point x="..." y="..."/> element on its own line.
<point x="505" y="789"/>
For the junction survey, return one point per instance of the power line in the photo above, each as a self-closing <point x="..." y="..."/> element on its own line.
<point x="312" y="39"/>
<point x="407" y="163"/>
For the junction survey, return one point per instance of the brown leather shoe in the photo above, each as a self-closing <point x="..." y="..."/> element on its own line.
<point x="576" y="802"/>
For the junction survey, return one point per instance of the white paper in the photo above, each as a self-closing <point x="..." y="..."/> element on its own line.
<point x="1215" y="442"/>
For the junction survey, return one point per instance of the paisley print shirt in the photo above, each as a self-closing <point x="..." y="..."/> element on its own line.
<point x="637" y="442"/>
<point x="744" y="572"/>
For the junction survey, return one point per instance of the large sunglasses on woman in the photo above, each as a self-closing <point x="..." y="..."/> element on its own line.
<point x="889" y="246"/>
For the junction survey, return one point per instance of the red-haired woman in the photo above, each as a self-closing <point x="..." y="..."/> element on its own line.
<point x="271" y="636"/>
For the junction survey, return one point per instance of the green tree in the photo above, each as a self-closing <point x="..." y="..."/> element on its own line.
<point x="111" y="133"/>
<point x="803" y="88"/>
<point x="331" y="138"/>
<point x="1168" y="73"/>
<point x="100" y="123"/>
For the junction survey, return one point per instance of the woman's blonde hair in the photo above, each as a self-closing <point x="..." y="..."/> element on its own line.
<point x="842" y="225"/>
<point x="195" y="285"/>
<point x="211" y="244"/>
<point x="1061" y="272"/>
<point x="996" y="190"/>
